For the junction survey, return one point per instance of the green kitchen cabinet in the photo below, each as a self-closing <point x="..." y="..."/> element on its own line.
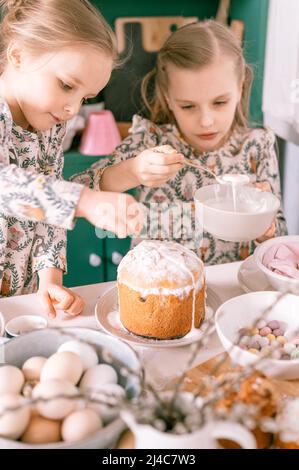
<point x="91" y="258"/>
<point x="253" y="13"/>
<point x="85" y="251"/>
<point x="114" y="251"/>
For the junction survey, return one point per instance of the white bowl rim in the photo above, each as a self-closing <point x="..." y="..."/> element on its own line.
<point x="35" y="318"/>
<point x="252" y="294"/>
<point x="261" y="249"/>
<point x="247" y="214"/>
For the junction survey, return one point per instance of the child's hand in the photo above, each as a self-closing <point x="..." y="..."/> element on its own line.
<point x="154" y="167"/>
<point x="54" y="296"/>
<point x="119" y="213"/>
<point x="270" y="233"/>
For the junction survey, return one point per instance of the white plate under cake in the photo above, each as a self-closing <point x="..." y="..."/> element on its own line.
<point x="107" y="316"/>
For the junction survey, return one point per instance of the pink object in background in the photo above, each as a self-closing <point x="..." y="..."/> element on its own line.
<point x="101" y="134"/>
<point x="283" y="258"/>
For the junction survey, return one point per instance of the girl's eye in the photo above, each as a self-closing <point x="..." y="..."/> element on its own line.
<point x="65" y="86"/>
<point x="220" y="103"/>
<point x="187" y="106"/>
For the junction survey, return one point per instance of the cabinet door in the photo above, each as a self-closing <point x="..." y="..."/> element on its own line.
<point x="115" y="249"/>
<point x="84" y="256"/>
<point x="85" y="252"/>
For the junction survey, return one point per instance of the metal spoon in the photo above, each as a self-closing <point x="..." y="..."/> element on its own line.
<point x="235" y="179"/>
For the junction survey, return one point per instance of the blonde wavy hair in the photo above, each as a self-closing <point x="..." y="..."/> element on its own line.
<point x="44" y="26"/>
<point x="191" y="47"/>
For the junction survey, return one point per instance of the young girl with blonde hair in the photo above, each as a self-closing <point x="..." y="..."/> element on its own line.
<point x="198" y="107"/>
<point x="53" y="56"/>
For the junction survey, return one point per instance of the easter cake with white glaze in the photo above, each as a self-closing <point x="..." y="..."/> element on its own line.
<point x="161" y="288"/>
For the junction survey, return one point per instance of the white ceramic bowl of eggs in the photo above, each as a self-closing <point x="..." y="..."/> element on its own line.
<point x="215" y="212"/>
<point x="50" y="365"/>
<point x="242" y="312"/>
<point x="276" y="280"/>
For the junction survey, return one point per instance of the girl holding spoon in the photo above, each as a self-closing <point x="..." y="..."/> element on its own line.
<point x="199" y="109"/>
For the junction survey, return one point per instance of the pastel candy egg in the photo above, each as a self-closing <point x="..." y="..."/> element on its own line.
<point x="261" y="324"/>
<point x="281" y="339"/>
<point x="245" y="340"/>
<point x="253" y="350"/>
<point x="275" y="343"/>
<point x="265" y="331"/>
<point x="254" y="330"/>
<point x="273" y="324"/>
<point x="271" y="337"/>
<point x="295" y="341"/>
<point x="266" y="351"/>
<point x="243" y="346"/>
<point x="278" y="332"/>
<point x="263" y="341"/>
<point x="255" y="345"/>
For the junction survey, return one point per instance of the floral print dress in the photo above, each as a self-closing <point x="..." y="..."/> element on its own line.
<point x="36" y="205"/>
<point x="250" y="152"/>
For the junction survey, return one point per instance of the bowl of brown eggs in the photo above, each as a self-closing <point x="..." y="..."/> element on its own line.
<point x="64" y="388"/>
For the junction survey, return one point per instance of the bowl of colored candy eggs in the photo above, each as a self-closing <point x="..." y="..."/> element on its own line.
<point x="262" y="329"/>
<point x="64" y="388"/>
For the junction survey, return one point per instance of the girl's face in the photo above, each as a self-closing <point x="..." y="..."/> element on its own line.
<point x="50" y="89"/>
<point x="204" y="102"/>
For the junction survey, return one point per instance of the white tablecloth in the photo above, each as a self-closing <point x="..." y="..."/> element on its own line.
<point x="161" y="365"/>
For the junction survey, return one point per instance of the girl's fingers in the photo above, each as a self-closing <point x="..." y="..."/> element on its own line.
<point x="47" y="304"/>
<point x="165" y="159"/>
<point x="65" y="302"/>
<point x="164" y="169"/>
<point x="77" y="306"/>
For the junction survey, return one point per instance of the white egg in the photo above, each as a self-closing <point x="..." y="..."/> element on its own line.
<point x="11" y="379"/>
<point x="33" y="366"/>
<point x="13" y="423"/>
<point x="55" y="408"/>
<point x="80" y="424"/>
<point x="86" y="352"/>
<point x="63" y="365"/>
<point x="110" y="394"/>
<point x="97" y="376"/>
<point x="42" y="431"/>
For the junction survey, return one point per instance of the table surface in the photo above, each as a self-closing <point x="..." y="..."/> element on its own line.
<point x="161" y="365"/>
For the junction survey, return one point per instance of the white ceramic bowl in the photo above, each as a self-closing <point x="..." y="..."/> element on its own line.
<point x="24" y="324"/>
<point x="242" y="311"/>
<point x="234" y="226"/>
<point x="279" y="282"/>
<point x="45" y="343"/>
